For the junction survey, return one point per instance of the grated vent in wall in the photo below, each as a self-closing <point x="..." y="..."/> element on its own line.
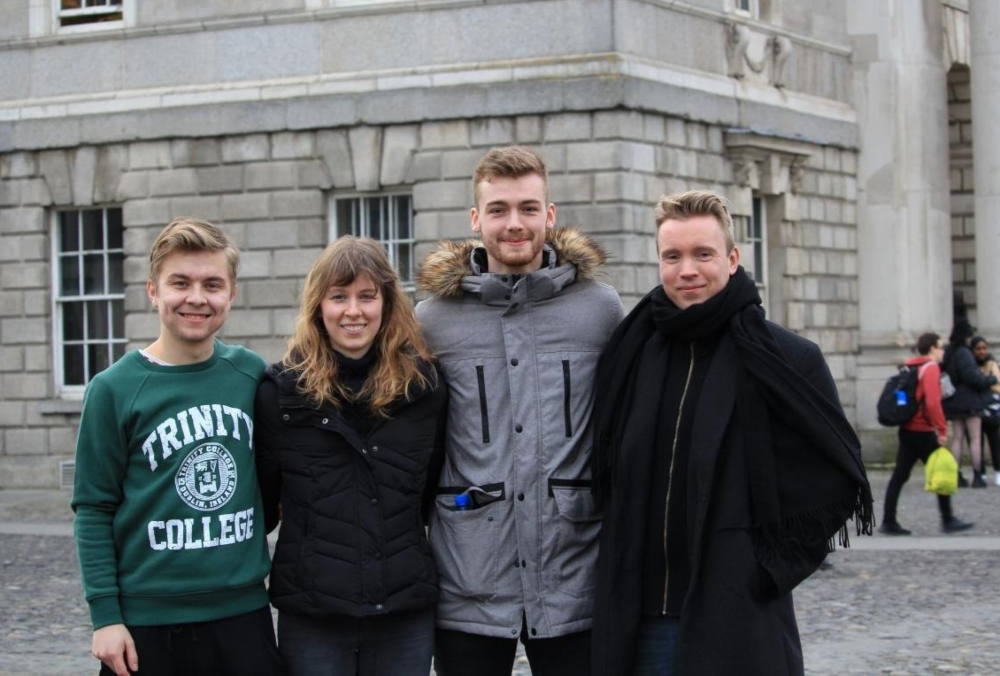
<point x="67" y="470"/>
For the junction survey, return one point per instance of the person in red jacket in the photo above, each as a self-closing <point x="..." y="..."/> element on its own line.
<point x="920" y="436"/>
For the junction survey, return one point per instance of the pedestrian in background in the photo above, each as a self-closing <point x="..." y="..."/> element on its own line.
<point x="991" y="402"/>
<point x="920" y="436"/>
<point x="965" y="408"/>
<point x="168" y="525"/>
<point x="348" y="423"/>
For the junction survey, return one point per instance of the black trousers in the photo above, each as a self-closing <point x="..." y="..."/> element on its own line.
<point x="242" y="645"/>
<point x="457" y="653"/>
<point x="991" y="430"/>
<point x="913" y="446"/>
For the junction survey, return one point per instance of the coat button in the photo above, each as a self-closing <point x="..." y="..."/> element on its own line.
<point x="513" y="362"/>
<point x="374" y="501"/>
<point x="326" y="420"/>
<point x="374" y="449"/>
<point x="518" y="429"/>
<point x="520" y="497"/>
<point x="534" y="632"/>
<point x="285" y="417"/>
<point x="379" y="606"/>
<point x="513" y="632"/>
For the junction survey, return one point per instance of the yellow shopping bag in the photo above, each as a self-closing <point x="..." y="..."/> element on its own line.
<point x="941" y="472"/>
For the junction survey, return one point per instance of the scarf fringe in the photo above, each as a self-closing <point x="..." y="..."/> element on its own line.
<point x="794" y="538"/>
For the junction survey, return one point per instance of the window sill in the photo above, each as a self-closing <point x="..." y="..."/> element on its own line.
<point x="61" y="407"/>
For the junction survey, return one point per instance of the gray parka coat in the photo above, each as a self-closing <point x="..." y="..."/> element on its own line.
<point x="518" y="354"/>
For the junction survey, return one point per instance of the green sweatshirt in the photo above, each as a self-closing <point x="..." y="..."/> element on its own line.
<point x="169" y="524"/>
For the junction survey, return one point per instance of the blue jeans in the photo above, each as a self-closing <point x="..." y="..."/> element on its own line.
<point x="385" y="645"/>
<point x="656" y="649"/>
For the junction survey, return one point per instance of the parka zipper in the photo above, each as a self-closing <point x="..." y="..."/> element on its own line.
<point x="566" y="399"/>
<point x="481" y="377"/>
<point x="670" y="479"/>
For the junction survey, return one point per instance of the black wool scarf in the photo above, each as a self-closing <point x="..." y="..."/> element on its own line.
<point x="789" y="507"/>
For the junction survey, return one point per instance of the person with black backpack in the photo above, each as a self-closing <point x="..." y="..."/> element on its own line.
<point x="920" y="435"/>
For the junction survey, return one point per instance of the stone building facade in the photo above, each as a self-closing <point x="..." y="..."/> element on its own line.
<point x="291" y="122"/>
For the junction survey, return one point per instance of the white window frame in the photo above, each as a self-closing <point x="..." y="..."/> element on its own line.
<point x="115" y="344"/>
<point x="363" y="228"/>
<point x="750" y="8"/>
<point x="124" y="7"/>
<point x="755" y="240"/>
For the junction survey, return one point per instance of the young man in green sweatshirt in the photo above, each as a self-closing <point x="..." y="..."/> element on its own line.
<point x="169" y="527"/>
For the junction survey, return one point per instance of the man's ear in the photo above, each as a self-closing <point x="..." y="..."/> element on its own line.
<point x="474" y="219"/>
<point x="151" y="291"/>
<point x="734" y="260"/>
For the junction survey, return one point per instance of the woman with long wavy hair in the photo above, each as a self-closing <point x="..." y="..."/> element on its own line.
<point x="965" y="408"/>
<point x="348" y="429"/>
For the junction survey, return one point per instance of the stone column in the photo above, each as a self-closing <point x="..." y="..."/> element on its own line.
<point x="904" y="247"/>
<point x="984" y="22"/>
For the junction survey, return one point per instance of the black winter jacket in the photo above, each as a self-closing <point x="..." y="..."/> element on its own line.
<point x="970" y="383"/>
<point x="738" y="616"/>
<point x="352" y="540"/>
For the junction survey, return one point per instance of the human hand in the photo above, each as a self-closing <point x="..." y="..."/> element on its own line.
<point x="943" y="440"/>
<point x="114" y="647"/>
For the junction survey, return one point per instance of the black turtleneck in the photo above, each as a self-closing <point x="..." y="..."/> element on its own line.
<point x="352" y="374"/>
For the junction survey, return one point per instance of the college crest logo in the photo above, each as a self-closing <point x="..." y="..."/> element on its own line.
<point x="207" y="477"/>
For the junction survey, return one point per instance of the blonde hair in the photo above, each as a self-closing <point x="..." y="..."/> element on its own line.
<point x="401" y="348"/>
<point x="683" y="206"/>
<point x="508" y="162"/>
<point x="192" y="235"/>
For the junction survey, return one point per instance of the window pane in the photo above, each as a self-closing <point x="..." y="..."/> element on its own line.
<point x="404" y="262"/>
<point x="73" y="365"/>
<point x="69" y="238"/>
<point x="404" y="217"/>
<point x="71" y="4"/>
<point x="97" y="319"/>
<point x="118" y="351"/>
<point x="93" y="230"/>
<point x="346" y="210"/>
<point x="93" y="274"/>
<point x="376" y="229"/>
<point x="118" y="318"/>
<point x="99" y="358"/>
<point x="116" y="273"/>
<point x="72" y="317"/>
<point x="115" y="229"/>
<point x="69" y="272"/>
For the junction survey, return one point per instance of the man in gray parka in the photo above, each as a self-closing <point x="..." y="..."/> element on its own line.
<point x="518" y="324"/>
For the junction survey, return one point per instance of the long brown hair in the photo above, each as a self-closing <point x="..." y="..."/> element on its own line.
<point x="401" y="348"/>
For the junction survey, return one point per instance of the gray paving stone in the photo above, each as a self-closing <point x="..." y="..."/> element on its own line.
<point x="906" y="605"/>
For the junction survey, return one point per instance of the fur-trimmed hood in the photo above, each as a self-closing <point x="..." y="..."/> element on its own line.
<point x="444" y="270"/>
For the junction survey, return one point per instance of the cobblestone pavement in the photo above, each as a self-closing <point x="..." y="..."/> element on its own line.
<point x="925" y="604"/>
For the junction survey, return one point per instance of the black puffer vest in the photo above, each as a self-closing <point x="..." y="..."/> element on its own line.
<point x="352" y="539"/>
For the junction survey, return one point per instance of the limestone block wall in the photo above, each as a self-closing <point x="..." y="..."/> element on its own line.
<point x="271" y="191"/>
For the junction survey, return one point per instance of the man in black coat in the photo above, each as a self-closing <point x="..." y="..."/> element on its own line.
<point x="724" y="462"/>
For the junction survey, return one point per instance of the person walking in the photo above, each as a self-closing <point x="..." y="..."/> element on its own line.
<point x="991" y="411"/>
<point x="964" y="408"/>
<point x="348" y="436"/>
<point x="517" y="322"/>
<point x="920" y="436"/>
